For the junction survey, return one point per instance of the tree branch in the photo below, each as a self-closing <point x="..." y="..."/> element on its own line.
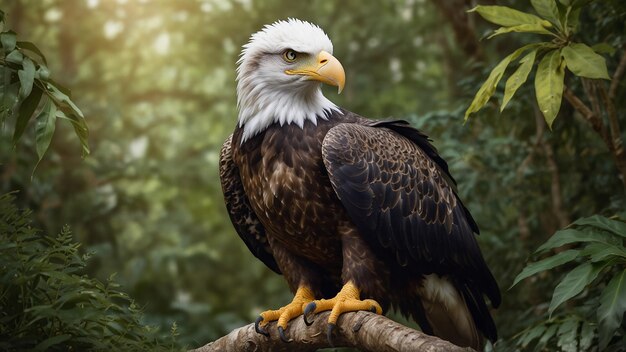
<point x="617" y="76"/>
<point x="363" y="330"/>
<point x="595" y="120"/>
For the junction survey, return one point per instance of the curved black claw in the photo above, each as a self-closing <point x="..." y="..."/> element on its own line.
<point x="329" y="334"/>
<point x="258" y="328"/>
<point x="307" y="310"/>
<point x="281" y="333"/>
<point x="373" y="309"/>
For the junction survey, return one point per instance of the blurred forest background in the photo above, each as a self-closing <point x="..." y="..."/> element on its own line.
<point x="156" y="83"/>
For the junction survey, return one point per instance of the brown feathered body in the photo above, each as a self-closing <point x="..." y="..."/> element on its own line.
<point x="352" y="199"/>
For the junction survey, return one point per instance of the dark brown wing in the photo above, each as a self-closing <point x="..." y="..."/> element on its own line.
<point x="241" y="214"/>
<point x="399" y="193"/>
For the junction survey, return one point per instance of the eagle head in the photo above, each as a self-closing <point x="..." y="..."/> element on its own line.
<point x="279" y="76"/>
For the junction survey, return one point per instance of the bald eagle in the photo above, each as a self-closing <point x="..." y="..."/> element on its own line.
<point x="356" y="214"/>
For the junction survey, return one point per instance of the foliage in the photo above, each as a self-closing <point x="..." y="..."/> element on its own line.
<point x="595" y="243"/>
<point x="24" y="79"/>
<point x="46" y="304"/>
<point x="558" y="20"/>
<point x="598" y="248"/>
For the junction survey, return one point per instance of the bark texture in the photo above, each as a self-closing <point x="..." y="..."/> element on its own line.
<point x="363" y="330"/>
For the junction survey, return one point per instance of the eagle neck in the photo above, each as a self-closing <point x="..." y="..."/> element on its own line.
<point x="258" y="110"/>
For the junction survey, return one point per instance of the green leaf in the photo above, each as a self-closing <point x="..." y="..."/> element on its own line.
<point x="46" y="124"/>
<point x="546" y="264"/>
<point x="26" y="110"/>
<point x="614" y="226"/>
<point x="43" y="73"/>
<point x="489" y="86"/>
<point x="27" y="77"/>
<point x="8" y="93"/>
<point x="523" y="28"/>
<point x="506" y="16"/>
<point x="569" y="235"/>
<point x="603" y="48"/>
<point x="548" y="10"/>
<point x="598" y="252"/>
<point x="549" y="85"/>
<point x="15" y="57"/>
<point x="47" y="343"/>
<point x="587" y="333"/>
<point x="567" y="336"/>
<point x="573" y="283"/>
<point x="8" y="40"/>
<point x="32" y="47"/>
<point x="63" y="101"/>
<point x="584" y="62"/>
<point x="529" y="336"/>
<point x="80" y="129"/>
<point x="518" y="77"/>
<point x="573" y="17"/>
<point x="550" y="332"/>
<point x="612" y="308"/>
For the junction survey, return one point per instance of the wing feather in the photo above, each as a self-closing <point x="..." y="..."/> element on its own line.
<point x="245" y="221"/>
<point x="399" y="193"/>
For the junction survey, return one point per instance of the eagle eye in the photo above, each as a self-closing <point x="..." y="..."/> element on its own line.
<point x="290" y="55"/>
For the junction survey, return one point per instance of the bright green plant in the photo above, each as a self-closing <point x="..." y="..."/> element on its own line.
<point x="558" y="22"/>
<point x="46" y="304"/>
<point x="595" y="289"/>
<point x="597" y="246"/>
<point x="25" y="84"/>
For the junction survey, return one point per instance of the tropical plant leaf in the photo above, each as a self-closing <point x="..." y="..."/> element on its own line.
<point x="612" y="308"/>
<point x="548" y="10"/>
<point x="570" y="235"/>
<point x="14" y="57"/>
<point x="532" y="334"/>
<point x="8" y="93"/>
<point x="546" y="264"/>
<point x="549" y="85"/>
<point x="63" y="101"/>
<point x="598" y="252"/>
<point x="32" y="47"/>
<point x="25" y="112"/>
<point x="489" y="86"/>
<point x="506" y="16"/>
<point x="27" y="77"/>
<point x="49" y="342"/>
<point x="587" y="333"/>
<point x="548" y="334"/>
<point x="518" y="77"/>
<point x="522" y="28"/>
<point x="8" y="40"/>
<point x="584" y="62"/>
<point x="46" y="124"/>
<point x="80" y="129"/>
<point x="567" y="335"/>
<point x="573" y="283"/>
<point x="614" y="226"/>
<point x="603" y="48"/>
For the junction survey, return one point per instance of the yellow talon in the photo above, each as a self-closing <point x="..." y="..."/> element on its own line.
<point x="347" y="300"/>
<point x="303" y="296"/>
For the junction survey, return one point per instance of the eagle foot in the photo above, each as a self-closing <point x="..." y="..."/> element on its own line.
<point x="284" y="314"/>
<point x="347" y="300"/>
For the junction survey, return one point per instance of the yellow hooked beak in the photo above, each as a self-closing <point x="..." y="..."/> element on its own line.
<point x="325" y="68"/>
